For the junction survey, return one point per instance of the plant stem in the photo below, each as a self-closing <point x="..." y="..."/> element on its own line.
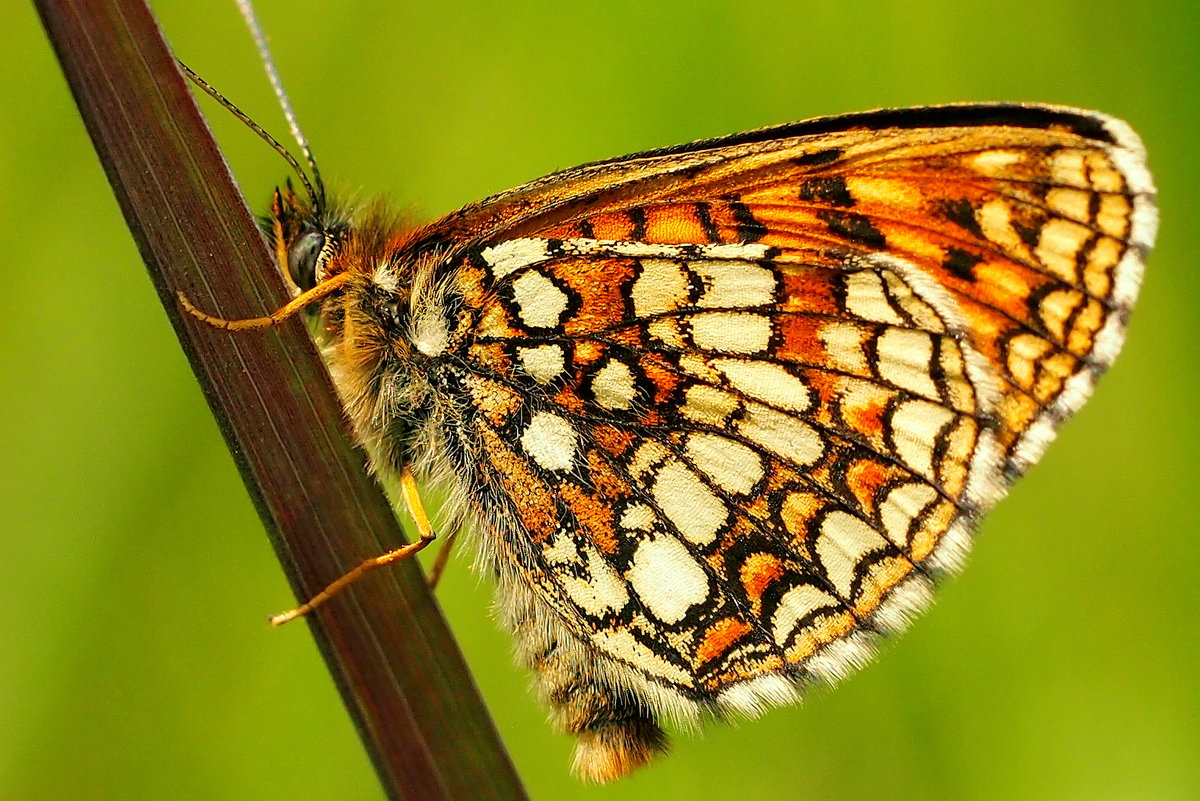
<point x="387" y="646"/>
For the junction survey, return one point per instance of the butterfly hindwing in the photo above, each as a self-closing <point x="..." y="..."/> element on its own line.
<point x="738" y="403"/>
<point x="723" y="463"/>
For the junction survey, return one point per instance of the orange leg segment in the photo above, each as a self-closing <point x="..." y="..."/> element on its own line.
<point x="297" y="304"/>
<point x="412" y="500"/>
<point x="439" y="564"/>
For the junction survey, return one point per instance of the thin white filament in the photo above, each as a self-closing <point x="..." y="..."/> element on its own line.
<point x="264" y="53"/>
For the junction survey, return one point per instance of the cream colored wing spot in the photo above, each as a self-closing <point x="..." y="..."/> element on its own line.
<point x="866" y="298"/>
<point x="731" y="332"/>
<point x="1067" y="167"/>
<point x="797" y="604"/>
<point x="767" y="382"/>
<point x="621" y="644"/>
<point x="783" y="435"/>
<point x="543" y="363"/>
<point x="843" y="342"/>
<point x="667" y="578"/>
<point x="842" y="544"/>
<point x="730" y="465"/>
<point x="1113" y="215"/>
<point x="1058" y="247"/>
<point x="905" y="359"/>
<point x="667" y="331"/>
<point x="797" y="509"/>
<point x="638" y="517"/>
<point x="688" y="504"/>
<point x="1022" y="354"/>
<point x="956" y="381"/>
<point x="597" y="589"/>
<point x="708" y="405"/>
<point x="1105" y="176"/>
<point x="649" y="455"/>
<point x="996" y="163"/>
<point x="550" y="441"/>
<point x="662" y="287"/>
<point x="697" y="366"/>
<point x="542" y="303"/>
<point x="560" y="550"/>
<point x="1074" y="204"/>
<point x="1055" y="308"/>
<point x="614" y="386"/>
<point x="508" y="257"/>
<point x="916" y="425"/>
<point x="995" y="220"/>
<point x="734" y="284"/>
<point x="901" y="507"/>
<point x="958" y="445"/>
<point x="922" y="312"/>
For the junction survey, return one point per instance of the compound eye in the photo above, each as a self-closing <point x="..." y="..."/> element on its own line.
<point x="393" y="311"/>
<point x="302" y="259"/>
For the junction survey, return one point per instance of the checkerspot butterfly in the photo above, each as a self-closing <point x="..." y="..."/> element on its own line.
<point x="722" y="414"/>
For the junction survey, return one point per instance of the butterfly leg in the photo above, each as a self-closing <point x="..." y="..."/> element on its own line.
<point x="426" y="535"/>
<point x="443" y="556"/>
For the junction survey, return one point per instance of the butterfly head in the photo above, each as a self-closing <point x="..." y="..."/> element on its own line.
<point x="346" y="270"/>
<point x="352" y="269"/>
<point x="305" y="238"/>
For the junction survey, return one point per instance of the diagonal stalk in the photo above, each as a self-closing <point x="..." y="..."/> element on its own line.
<point x="387" y="646"/>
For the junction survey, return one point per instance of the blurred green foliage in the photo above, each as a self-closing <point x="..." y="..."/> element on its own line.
<point x="134" y="661"/>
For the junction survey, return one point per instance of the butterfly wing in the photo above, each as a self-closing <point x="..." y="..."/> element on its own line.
<point x="721" y="463"/>
<point x="731" y="406"/>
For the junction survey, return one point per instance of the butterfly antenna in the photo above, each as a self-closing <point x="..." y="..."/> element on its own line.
<point x="264" y="53"/>
<point x="258" y="129"/>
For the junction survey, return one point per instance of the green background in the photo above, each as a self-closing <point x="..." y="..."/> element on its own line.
<point x="134" y="575"/>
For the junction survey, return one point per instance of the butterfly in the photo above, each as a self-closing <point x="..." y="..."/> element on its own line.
<point x="722" y="415"/>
